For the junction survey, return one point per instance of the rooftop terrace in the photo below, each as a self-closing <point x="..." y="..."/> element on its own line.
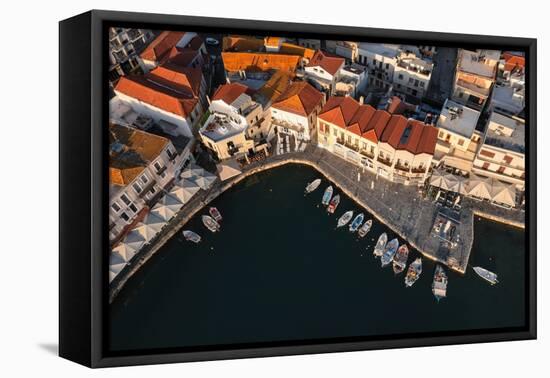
<point x="458" y="118"/>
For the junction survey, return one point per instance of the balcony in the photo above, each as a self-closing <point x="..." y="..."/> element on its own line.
<point x="384" y="161"/>
<point x="351" y="146"/>
<point x="401" y="167"/>
<point x="418" y="170"/>
<point x="161" y="170"/>
<point x="367" y="153"/>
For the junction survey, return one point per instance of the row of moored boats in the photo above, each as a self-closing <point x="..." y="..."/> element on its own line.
<point x="390" y="252"/>
<point x="211" y="222"/>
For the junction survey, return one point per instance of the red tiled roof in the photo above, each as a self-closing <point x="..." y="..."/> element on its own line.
<point x="328" y="62"/>
<point x="161" y="45"/>
<point x="181" y="56"/>
<point x="299" y="98"/>
<point x="157" y="89"/>
<point x="188" y="77"/>
<point x="513" y="61"/>
<point x="229" y="92"/>
<point x="379" y="125"/>
<point x="259" y="62"/>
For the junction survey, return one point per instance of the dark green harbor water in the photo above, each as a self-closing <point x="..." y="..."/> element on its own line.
<point x="280" y="271"/>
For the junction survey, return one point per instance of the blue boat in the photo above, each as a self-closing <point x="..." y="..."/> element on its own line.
<point x="389" y="252"/>
<point x="356" y="222"/>
<point x="327" y="196"/>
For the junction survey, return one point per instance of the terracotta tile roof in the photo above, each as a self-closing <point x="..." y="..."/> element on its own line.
<point x="161" y="45"/>
<point x="165" y="88"/>
<point x="512" y="61"/>
<point x="131" y="151"/>
<point x="273" y="88"/>
<point x="328" y="62"/>
<point x="292" y="49"/>
<point x="259" y="62"/>
<point x="238" y="43"/>
<point x="410" y="135"/>
<point x="379" y="125"/>
<point x="181" y="56"/>
<point x="229" y="92"/>
<point x="195" y="43"/>
<point x="272" y="41"/>
<point x="300" y="98"/>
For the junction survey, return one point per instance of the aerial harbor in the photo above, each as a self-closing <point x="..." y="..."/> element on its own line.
<point x="319" y="178"/>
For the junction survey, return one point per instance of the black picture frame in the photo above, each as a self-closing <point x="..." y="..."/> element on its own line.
<point x="83" y="196"/>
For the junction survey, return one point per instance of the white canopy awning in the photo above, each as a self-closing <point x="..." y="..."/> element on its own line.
<point x="205" y="181"/>
<point x="228" y="169"/>
<point x="117" y="262"/>
<point x="134" y="240"/>
<point x="504" y="195"/>
<point x="167" y="207"/>
<point x="436" y="178"/>
<point x="184" y="190"/>
<point x="478" y="187"/>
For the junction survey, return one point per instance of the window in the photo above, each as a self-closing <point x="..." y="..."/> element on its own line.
<point x="422" y="84"/>
<point x="416" y="82"/>
<point x="158" y="166"/>
<point x="486" y="153"/>
<point x="133" y="208"/>
<point x="125" y="199"/>
<point x="461" y="142"/>
<point x="125" y="217"/>
<point x="136" y="187"/>
<point x="387" y="66"/>
<point x="400" y="76"/>
<point x="335" y="132"/>
<point x="115" y="207"/>
<point x="144" y="179"/>
<point x="500" y="170"/>
<point x="411" y="80"/>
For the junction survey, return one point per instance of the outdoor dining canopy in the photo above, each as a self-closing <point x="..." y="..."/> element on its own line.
<point x="504" y="195"/>
<point x="119" y="257"/>
<point x="228" y="169"/>
<point x="478" y="187"/>
<point x="202" y="178"/>
<point x="150" y="226"/>
<point x="167" y="207"/>
<point x="134" y="240"/>
<point x="184" y="190"/>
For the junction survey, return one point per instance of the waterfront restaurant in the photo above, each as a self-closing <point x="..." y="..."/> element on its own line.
<point x="391" y="146"/>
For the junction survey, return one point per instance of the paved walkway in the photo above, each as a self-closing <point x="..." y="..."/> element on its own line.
<point x="402" y="208"/>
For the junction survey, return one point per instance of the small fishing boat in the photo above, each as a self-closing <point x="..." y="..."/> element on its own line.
<point x="439" y="285"/>
<point x="486" y="274"/>
<point x="210" y="223"/>
<point x="333" y="204"/>
<point x="313" y="185"/>
<point x="400" y="259"/>
<point x="191" y="236"/>
<point x="327" y="195"/>
<point x="380" y="245"/>
<point x="345" y="218"/>
<point x="365" y="228"/>
<point x="389" y="252"/>
<point x="413" y="273"/>
<point x="215" y="213"/>
<point x="357" y="221"/>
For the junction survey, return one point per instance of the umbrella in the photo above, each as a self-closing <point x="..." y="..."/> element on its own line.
<point x="205" y="181"/>
<point x="184" y="190"/>
<point x="125" y="251"/>
<point x="506" y="196"/>
<point x="117" y="262"/>
<point x="146" y="231"/>
<point x="449" y="183"/>
<point x="167" y="207"/>
<point x="228" y="169"/>
<point x="436" y="179"/>
<point x="478" y="187"/>
<point x="134" y="240"/>
<point x="192" y="171"/>
<point x="154" y="221"/>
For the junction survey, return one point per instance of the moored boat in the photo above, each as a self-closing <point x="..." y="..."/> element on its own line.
<point x="380" y="245"/>
<point x="215" y="213"/>
<point x="357" y="221"/>
<point x="313" y="185"/>
<point x="413" y="273"/>
<point x="439" y="285"/>
<point x="345" y="218"/>
<point x="389" y="252"/>
<point x="210" y="223"/>
<point x="327" y="195"/>
<point x="191" y="236"/>
<point x="400" y="259"/>
<point x="486" y="274"/>
<point x="334" y="202"/>
<point x="365" y="228"/>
